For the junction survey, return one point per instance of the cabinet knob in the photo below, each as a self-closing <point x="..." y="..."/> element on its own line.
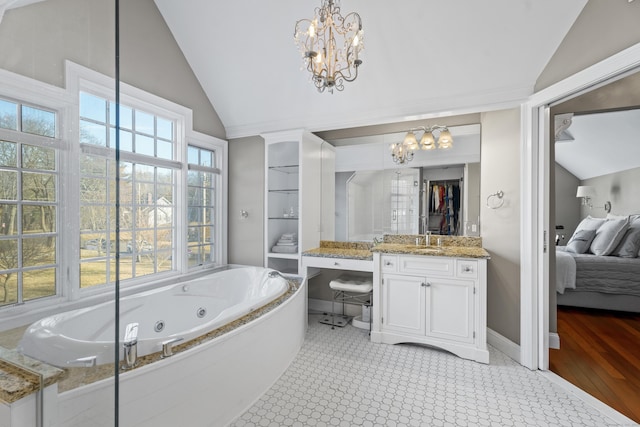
<point x="336" y="263"/>
<point x="388" y="263"/>
<point x="467" y="269"/>
<point x="426" y="285"/>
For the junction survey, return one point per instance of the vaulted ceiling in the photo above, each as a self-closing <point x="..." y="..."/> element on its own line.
<point x="422" y="58"/>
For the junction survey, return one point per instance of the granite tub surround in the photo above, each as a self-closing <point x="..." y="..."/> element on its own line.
<point x="452" y="246"/>
<point x="350" y="250"/>
<point x="21" y="376"/>
<point x="74" y="377"/>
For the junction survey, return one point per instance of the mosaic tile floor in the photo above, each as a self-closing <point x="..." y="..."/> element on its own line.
<point x="339" y="378"/>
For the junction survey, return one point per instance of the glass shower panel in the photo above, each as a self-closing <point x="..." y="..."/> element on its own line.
<point x="44" y="47"/>
<point x="404" y="200"/>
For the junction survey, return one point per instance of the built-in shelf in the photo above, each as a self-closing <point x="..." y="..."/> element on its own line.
<point x="286" y="168"/>
<point x="283" y="256"/>
<point x="283" y="217"/>
<point x="285" y="191"/>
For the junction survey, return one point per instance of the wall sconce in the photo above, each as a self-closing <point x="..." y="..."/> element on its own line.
<point x="587" y="193"/>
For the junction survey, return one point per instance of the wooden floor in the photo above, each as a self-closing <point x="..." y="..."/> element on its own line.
<point x="600" y="353"/>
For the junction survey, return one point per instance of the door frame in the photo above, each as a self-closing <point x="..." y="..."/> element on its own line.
<point x="535" y="232"/>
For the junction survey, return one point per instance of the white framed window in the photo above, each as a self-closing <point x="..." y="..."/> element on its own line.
<point x="61" y="183"/>
<point x="29" y="202"/>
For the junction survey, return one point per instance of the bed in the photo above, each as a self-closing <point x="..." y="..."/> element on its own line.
<point x="600" y="267"/>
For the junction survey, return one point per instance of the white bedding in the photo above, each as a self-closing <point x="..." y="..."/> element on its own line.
<point x="565" y="270"/>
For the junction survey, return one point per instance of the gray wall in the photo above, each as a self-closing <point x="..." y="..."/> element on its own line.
<point x="567" y="205"/>
<point x="35" y="41"/>
<point x="500" y="228"/>
<point x="246" y="192"/>
<point x="604" y="27"/>
<point x="622" y="189"/>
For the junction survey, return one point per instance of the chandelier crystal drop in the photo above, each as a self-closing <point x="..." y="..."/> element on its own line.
<point x="330" y="45"/>
<point x="402" y="152"/>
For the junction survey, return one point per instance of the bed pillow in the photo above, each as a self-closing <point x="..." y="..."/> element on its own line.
<point x="589" y="223"/>
<point x="580" y="241"/>
<point x="629" y="245"/>
<point x="609" y="236"/>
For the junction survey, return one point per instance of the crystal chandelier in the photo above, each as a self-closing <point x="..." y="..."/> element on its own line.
<point x="330" y="46"/>
<point x="402" y="152"/>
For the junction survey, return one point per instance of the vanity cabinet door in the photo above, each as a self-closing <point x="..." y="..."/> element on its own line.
<point x="450" y="309"/>
<point x="403" y="303"/>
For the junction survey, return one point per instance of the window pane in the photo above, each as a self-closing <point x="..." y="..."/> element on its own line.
<point x="165" y="150"/>
<point x="8" y="115"/>
<point x="144" y="123"/>
<point x="8" y="292"/>
<point x="8" y="185"/>
<point x="38" y="187"/>
<point x="93" y="107"/>
<point x="38" y="158"/>
<point x="92" y="133"/>
<point x="192" y="155"/>
<point x="93" y="190"/>
<point x="126" y="116"/>
<point x="9" y="223"/>
<point x="206" y="158"/>
<point x="166" y="193"/>
<point x="195" y="215"/>
<point x="144" y="172"/>
<point x="93" y="273"/>
<point x="8" y="154"/>
<point x="165" y="176"/>
<point x="39" y="284"/>
<point x="93" y="218"/>
<point x="165" y="129"/>
<point x="145" y="145"/>
<point x="38" y="251"/>
<point x="38" y="219"/>
<point x="126" y="140"/>
<point x="38" y="122"/>
<point x="91" y="165"/>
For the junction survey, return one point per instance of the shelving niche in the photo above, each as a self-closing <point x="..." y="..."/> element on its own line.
<point x="300" y="188"/>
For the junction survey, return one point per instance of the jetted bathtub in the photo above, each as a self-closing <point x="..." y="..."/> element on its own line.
<point x="185" y="311"/>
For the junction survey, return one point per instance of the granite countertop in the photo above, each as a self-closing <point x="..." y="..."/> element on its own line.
<point x="344" y="250"/>
<point x="21" y="376"/>
<point x="452" y="246"/>
<point x="443" y="251"/>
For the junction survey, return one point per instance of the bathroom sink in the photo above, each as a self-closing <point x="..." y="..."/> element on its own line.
<point x="423" y="249"/>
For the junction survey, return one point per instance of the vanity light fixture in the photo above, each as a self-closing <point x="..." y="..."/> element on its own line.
<point x="402" y="152"/>
<point x="330" y="45"/>
<point x="587" y="192"/>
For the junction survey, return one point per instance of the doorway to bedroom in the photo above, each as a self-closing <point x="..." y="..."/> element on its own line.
<point x="594" y="300"/>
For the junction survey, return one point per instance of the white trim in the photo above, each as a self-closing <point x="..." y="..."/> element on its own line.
<point x="533" y="298"/>
<point x="467" y="104"/>
<point x="503" y="344"/>
<point x="603" y="409"/>
<point x="554" y="340"/>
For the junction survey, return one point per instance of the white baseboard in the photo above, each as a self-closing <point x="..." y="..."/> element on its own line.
<point x="503" y="344"/>
<point x="554" y="340"/>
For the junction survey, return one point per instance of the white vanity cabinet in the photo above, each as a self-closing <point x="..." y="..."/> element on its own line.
<point x="439" y="301"/>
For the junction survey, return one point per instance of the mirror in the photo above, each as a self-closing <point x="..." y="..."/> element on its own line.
<point x="438" y="191"/>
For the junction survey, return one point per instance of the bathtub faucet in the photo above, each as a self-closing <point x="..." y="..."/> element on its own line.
<point x="130" y="344"/>
<point x="273" y="274"/>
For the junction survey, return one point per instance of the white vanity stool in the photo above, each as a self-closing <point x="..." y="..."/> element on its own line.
<point x="352" y="289"/>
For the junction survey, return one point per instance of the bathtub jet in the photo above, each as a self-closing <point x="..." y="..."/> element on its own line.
<point x="163" y="316"/>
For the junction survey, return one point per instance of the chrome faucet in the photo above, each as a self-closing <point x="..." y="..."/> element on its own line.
<point x="273" y="274"/>
<point x="130" y="345"/>
<point x="167" y="346"/>
<point x="427" y="238"/>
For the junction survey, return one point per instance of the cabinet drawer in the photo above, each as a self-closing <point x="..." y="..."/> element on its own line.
<point x="467" y="268"/>
<point x="431" y="266"/>
<point x="389" y="263"/>
<point x="338" y="263"/>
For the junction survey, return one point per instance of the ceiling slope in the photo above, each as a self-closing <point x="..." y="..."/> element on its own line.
<point x="422" y="58"/>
